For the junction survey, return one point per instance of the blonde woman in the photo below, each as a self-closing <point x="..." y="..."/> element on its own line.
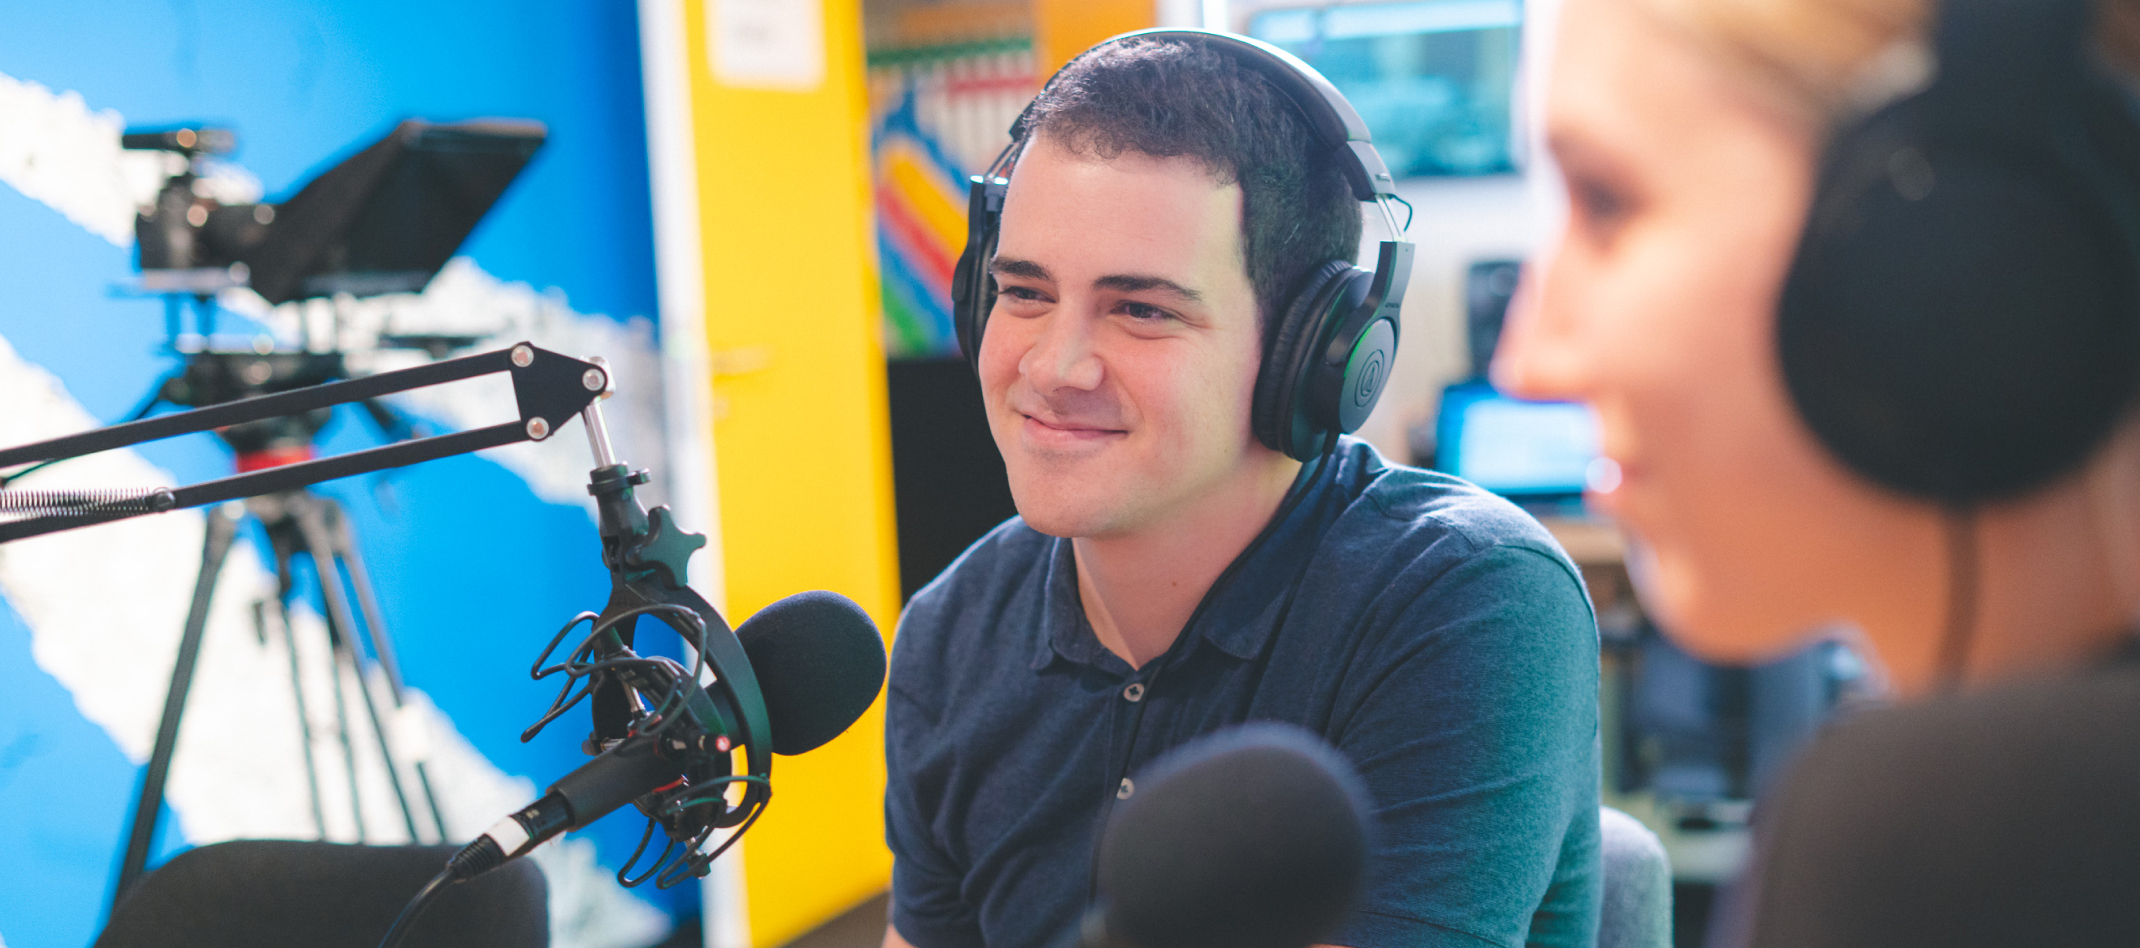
<point x="1998" y="803"/>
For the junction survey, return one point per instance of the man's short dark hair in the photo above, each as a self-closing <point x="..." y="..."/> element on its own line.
<point x="1171" y="98"/>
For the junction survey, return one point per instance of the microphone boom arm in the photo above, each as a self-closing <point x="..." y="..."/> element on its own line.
<point x="645" y="552"/>
<point x="548" y="388"/>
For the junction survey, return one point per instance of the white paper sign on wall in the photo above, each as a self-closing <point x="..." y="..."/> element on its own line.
<point x="767" y="44"/>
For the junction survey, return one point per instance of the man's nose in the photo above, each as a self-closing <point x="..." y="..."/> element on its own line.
<point x="1064" y="354"/>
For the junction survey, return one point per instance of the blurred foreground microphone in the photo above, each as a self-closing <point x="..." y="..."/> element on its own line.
<point x="820" y="663"/>
<point x="1254" y="837"/>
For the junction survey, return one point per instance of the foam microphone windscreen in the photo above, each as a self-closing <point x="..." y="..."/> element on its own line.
<point x="820" y="663"/>
<point x="1254" y="837"/>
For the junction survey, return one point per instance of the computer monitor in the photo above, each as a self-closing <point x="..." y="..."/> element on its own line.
<point x="1435" y="79"/>
<point x="1520" y="449"/>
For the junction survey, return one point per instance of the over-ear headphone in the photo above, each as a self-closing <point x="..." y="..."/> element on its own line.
<point x="1962" y="321"/>
<point x="1332" y="350"/>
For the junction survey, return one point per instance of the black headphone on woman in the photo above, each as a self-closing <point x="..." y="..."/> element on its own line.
<point x="1337" y="336"/>
<point x="1962" y="321"/>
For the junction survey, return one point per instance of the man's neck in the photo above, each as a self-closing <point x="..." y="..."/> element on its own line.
<point x="1139" y="589"/>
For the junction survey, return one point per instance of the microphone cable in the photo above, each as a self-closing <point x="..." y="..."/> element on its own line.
<point x="407" y="919"/>
<point x="479" y="857"/>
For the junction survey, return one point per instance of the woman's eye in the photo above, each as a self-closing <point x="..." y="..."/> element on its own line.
<point x="1601" y="207"/>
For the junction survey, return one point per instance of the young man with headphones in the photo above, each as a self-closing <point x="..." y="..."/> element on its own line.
<point x="1159" y="299"/>
<point x="1854" y="286"/>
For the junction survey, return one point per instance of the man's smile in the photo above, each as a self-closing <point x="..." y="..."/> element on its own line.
<point x="1042" y="430"/>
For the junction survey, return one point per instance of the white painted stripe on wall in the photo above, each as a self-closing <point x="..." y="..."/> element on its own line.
<point x="57" y="151"/>
<point x="465" y="300"/>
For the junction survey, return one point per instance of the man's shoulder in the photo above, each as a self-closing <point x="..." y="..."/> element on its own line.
<point x="1009" y="559"/>
<point x="1420" y="514"/>
<point x="1006" y="553"/>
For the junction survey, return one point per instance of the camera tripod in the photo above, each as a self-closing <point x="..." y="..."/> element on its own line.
<point x="383" y="221"/>
<point x="299" y="524"/>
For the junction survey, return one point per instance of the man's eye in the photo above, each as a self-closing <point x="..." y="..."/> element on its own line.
<point x="1023" y="293"/>
<point x="1143" y="312"/>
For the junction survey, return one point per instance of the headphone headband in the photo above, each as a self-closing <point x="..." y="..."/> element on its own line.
<point x="1333" y="120"/>
<point x="2001" y="63"/>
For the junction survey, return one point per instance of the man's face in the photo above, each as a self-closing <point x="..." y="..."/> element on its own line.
<point x="1120" y="359"/>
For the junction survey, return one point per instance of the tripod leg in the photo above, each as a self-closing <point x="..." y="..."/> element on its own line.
<point x="304" y="715"/>
<point x="283" y="533"/>
<point x="337" y="656"/>
<point x="221" y="529"/>
<point x="312" y="520"/>
<point x="382" y="644"/>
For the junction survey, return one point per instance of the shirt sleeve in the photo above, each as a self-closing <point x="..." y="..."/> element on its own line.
<point x="1476" y="732"/>
<point x="927" y="906"/>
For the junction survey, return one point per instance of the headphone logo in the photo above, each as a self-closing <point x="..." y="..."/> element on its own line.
<point x="1364" y="393"/>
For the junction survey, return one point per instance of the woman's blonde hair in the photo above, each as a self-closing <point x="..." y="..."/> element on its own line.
<point x="1812" y="56"/>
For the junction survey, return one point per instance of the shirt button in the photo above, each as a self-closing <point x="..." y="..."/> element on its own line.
<point x="1134" y="693"/>
<point x="1122" y="792"/>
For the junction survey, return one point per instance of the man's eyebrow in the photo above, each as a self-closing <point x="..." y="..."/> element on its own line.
<point x="1013" y="266"/>
<point x="1138" y="282"/>
<point x="1117" y="282"/>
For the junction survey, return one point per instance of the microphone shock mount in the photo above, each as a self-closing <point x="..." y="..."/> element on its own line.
<point x="707" y="719"/>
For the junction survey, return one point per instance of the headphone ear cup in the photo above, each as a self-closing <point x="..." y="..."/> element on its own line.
<point x="1958" y="324"/>
<point x="1281" y="414"/>
<point x="970" y="304"/>
<point x="973" y="290"/>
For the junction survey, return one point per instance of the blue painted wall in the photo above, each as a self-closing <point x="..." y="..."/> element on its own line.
<point x="475" y="570"/>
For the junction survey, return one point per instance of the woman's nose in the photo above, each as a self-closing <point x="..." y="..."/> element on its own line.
<point x="1542" y="353"/>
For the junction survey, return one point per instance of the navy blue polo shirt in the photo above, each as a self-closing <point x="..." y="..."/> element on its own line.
<point x="1431" y="631"/>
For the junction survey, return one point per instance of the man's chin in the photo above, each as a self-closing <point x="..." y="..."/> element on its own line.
<point x="1050" y="509"/>
<point x="1050" y="515"/>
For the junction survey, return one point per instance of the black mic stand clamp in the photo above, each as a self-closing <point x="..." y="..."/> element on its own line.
<point x="717" y="736"/>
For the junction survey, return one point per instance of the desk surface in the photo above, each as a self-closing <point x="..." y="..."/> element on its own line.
<point x="1590" y="541"/>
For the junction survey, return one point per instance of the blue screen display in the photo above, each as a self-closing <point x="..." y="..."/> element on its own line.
<point x="1435" y="79"/>
<point x="1515" y="447"/>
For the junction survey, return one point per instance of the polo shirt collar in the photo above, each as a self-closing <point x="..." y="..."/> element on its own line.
<point x="1063" y="614"/>
<point x="1242" y="608"/>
